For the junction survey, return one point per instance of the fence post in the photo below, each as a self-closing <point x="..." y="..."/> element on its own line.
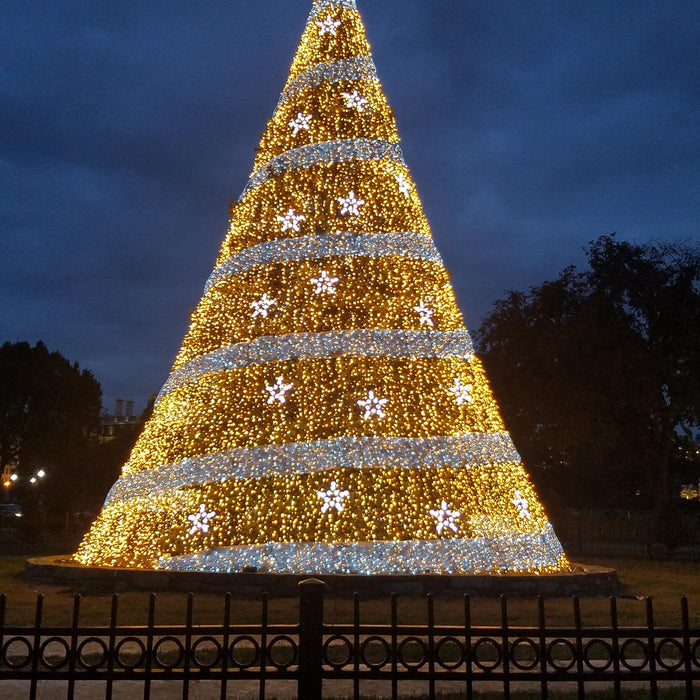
<point x="311" y="593"/>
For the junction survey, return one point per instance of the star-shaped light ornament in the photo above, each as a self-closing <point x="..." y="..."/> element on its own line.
<point x="291" y="220"/>
<point x="462" y="392"/>
<point x="200" y="520"/>
<point x="404" y="185"/>
<point x="425" y="313"/>
<point x="278" y="391"/>
<point x="328" y="26"/>
<point x="333" y="498"/>
<point x="303" y="121"/>
<point x="446" y="518"/>
<point x="262" y="306"/>
<point x="350" y="205"/>
<point x="373" y="406"/>
<point x="520" y="502"/>
<point x="353" y="100"/>
<point x="325" y="284"/>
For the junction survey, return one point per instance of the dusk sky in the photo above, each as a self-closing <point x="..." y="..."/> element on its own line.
<point x="530" y="128"/>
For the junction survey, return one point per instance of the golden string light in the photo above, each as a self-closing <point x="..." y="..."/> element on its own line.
<point x="326" y="411"/>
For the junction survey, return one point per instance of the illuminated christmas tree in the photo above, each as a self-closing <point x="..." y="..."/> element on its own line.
<point x="326" y="412"/>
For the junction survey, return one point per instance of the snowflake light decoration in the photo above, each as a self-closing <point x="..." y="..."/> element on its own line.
<point x="462" y="392"/>
<point x="404" y="186"/>
<point x="262" y="306"/>
<point x="303" y="121"/>
<point x="373" y="405"/>
<point x="333" y="498"/>
<point x="445" y="518"/>
<point x="200" y="520"/>
<point x="520" y="502"/>
<point x="328" y="26"/>
<point x="291" y="220"/>
<point x="325" y="283"/>
<point x="350" y="205"/>
<point x="353" y="100"/>
<point x="425" y="313"/>
<point x="278" y="391"/>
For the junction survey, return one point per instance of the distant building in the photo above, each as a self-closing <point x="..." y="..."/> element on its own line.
<point x="690" y="492"/>
<point x="8" y="479"/>
<point x="123" y="419"/>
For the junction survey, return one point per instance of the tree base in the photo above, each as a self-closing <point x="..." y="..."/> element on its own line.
<point x="582" y="580"/>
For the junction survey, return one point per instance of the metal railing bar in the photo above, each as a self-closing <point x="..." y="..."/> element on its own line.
<point x="224" y="646"/>
<point x="73" y="646"/>
<point x="36" y="646"/>
<point x="468" y="645"/>
<point x="112" y="645"/>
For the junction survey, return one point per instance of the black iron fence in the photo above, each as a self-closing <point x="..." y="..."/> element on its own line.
<point x="311" y="655"/>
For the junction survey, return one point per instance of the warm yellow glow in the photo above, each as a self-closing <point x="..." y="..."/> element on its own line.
<point x="313" y="192"/>
<point x="377" y="293"/>
<point x="327" y="358"/>
<point x="385" y="504"/>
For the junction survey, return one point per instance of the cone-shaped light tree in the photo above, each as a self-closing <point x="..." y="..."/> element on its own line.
<point x="326" y="412"/>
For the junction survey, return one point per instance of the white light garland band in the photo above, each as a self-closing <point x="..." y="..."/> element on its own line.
<point x="357" y="68"/>
<point x="299" y="346"/>
<point x="321" y="6"/>
<point x="415" y="246"/>
<point x="327" y="152"/>
<point x="516" y="552"/>
<point x="465" y="450"/>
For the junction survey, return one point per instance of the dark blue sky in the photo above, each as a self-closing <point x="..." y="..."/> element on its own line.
<point x="530" y="128"/>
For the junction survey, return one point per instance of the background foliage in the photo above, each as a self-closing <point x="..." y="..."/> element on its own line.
<point x="598" y="373"/>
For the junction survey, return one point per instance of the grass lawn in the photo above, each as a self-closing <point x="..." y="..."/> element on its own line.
<point x="664" y="581"/>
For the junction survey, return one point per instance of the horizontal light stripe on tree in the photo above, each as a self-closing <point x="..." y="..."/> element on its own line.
<point x="471" y="556"/>
<point x="201" y="416"/>
<point x="358" y="343"/>
<point x="460" y="451"/>
<point x="355" y="68"/>
<point x="332" y="121"/>
<point x="350" y="39"/>
<point x="383" y="504"/>
<point x="313" y="192"/>
<point x="340" y="151"/>
<point x="376" y="293"/>
<point x="323" y="245"/>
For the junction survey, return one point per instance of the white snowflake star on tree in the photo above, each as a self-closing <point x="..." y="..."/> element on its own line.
<point x="200" y="520"/>
<point x="291" y="220"/>
<point x="353" y="100"/>
<point x="325" y="283"/>
<point x="350" y="205"/>
<point x="462" y="392"/>
<point x="333" y="498"/>
<point x="278" y="391"/>
<point x="425" y="313"/>
<point x="328" y="26"/>
<point x="404" y="185"/>
<point x="446" y="518"/>
<point x="520" y="502"/>
<point x="373" y="405"/>
<point x="262" y="306"/>
<point x="303" y="121"/>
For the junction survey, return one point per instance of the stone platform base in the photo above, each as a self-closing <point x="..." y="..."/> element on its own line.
<point x="584" y="580"/>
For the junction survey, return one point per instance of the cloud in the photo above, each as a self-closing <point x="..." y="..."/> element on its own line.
<point x="125" y="128"/>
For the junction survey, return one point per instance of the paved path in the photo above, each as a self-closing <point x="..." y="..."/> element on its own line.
<point x="275" y="690"/>
<point x="202" y="690"/>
